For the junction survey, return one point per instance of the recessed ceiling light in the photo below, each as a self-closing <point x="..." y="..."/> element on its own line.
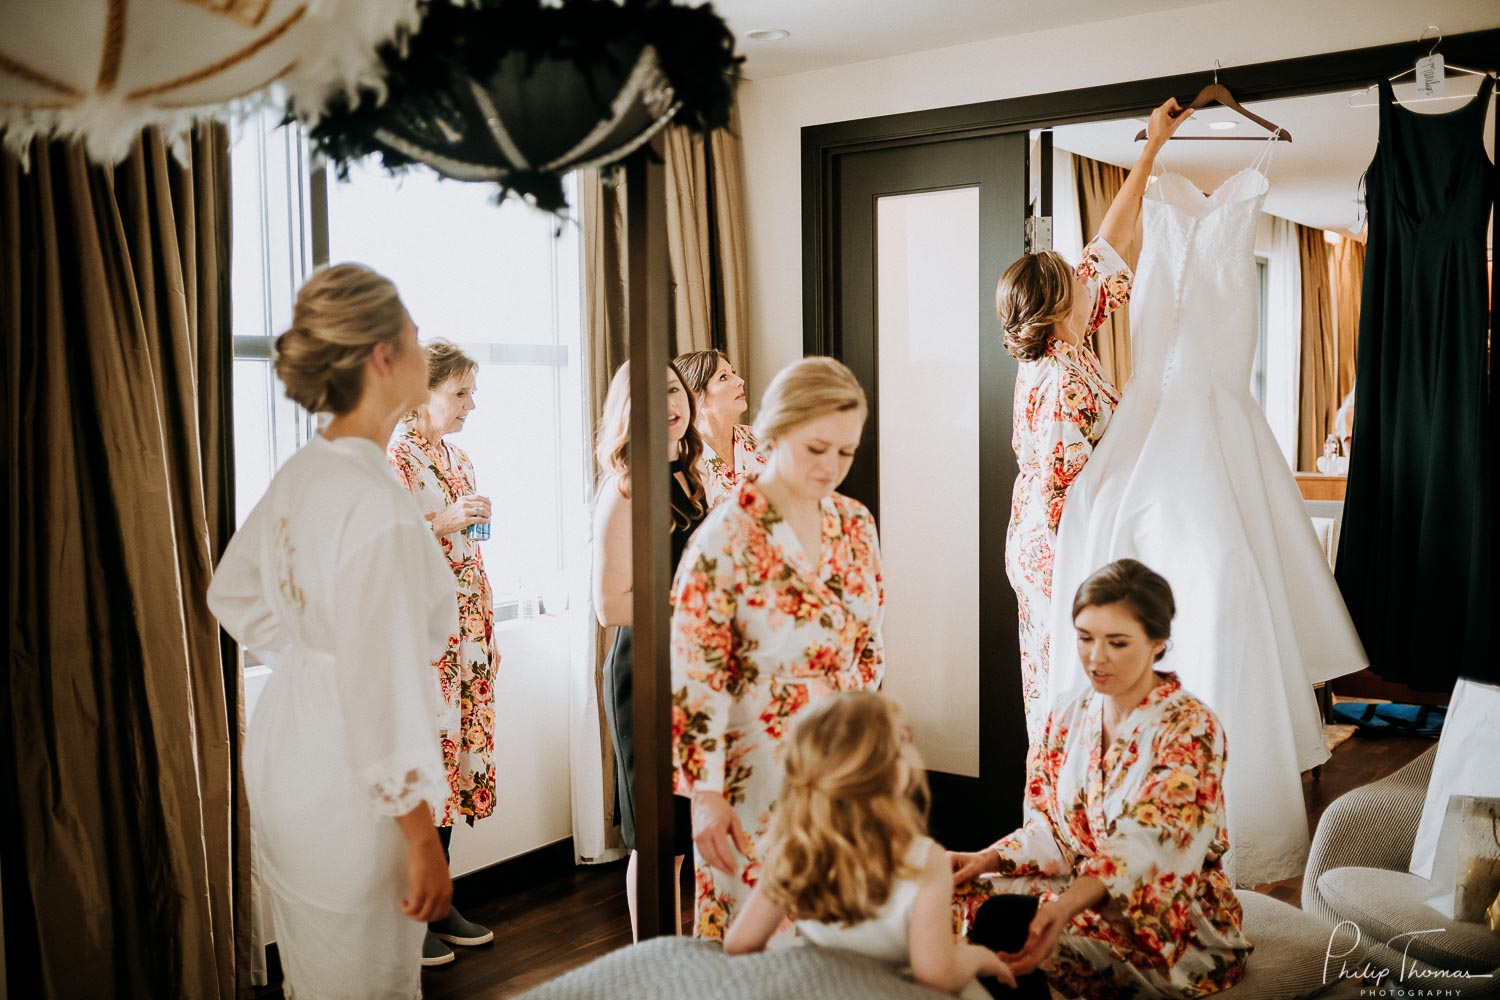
<point x="767" y="34"/>
<point x="1222" y="126"/>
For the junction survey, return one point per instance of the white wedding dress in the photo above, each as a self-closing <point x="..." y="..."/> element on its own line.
<point x="1189" y="480"/>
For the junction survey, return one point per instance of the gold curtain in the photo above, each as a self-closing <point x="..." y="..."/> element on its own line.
<point x="706" y="250"/>
<point x="1318" y="381"/>
<point x="1098" y="183"/>
<point x="126" y="855"/>
<point x="1348" y="285"/>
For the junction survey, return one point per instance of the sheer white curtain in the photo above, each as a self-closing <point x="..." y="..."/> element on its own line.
<point x="1283" y="334"/>
<point x="1067" y="221"/>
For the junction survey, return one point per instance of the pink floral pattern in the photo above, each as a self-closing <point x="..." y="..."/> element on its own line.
<point x="436" y="475"/>
<point x="721" y="475"/>
<point x="760" y="630"/>
<point x="1145" y="816"/>
<point x="1063" y="402"/>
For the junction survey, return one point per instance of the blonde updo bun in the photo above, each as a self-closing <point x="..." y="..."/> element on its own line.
<point x="806" y="390"/>
<point x="1033" y="294"/>
<point x="342" y="312"/>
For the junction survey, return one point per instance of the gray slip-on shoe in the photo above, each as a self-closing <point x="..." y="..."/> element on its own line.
<point x="456" y="930"/>
<point x="434" y="952"/>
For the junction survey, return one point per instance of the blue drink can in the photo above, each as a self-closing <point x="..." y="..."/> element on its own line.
<point x="478" y="532"/>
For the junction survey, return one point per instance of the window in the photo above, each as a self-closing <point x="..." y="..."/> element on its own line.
<point x="501" y="281"/>
<point x="271" y="255"/>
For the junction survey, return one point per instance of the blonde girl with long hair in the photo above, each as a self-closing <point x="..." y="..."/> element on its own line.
<point x="848" y="859"/>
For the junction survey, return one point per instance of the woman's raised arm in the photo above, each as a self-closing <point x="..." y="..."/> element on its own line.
<point x="1118" y="227"/>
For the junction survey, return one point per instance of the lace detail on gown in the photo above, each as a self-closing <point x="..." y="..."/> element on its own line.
<point x="400" y="794"/>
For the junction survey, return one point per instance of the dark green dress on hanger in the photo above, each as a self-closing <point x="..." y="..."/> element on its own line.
<point x="1415" y="561"/>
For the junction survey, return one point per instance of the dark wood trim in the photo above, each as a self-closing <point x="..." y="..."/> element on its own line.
<point x="1494" y="324"/>
<point x="544" y="864"/>
<point x="647" y="317"/>
<point x="1283" y="78"/>
<point x="964" y="809"/>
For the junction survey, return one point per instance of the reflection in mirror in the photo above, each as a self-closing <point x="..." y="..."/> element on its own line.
<point x="927" y="248"/>
<point x="1309" y="248"/>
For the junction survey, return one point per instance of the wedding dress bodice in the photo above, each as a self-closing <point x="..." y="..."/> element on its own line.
<point x="1195" y="284"/>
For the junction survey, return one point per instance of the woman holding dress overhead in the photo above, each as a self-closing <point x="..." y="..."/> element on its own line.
<point x="776" y="605"/>
<point x="335" y="582"/>
<point x="1190" y="481"/>
<point x="729" y="448"/>
<point x="614" y="584"/>
<point x="1118" y="865"/>
<point x="440" y="476"/>
<point x="1063" y="399"/>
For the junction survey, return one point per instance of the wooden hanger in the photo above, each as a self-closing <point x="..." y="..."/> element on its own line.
<point x="1217" y="93"/>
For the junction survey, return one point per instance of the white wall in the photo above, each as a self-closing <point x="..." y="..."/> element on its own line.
<point x="773" y="111"/>
<point x="532" y="805"/>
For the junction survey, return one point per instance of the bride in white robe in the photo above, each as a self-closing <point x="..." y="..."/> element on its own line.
<point x="335" y="581"/>
<point x="1190" y="481"/>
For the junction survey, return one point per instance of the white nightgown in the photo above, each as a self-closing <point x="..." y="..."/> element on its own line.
<point x="335" y="583"/>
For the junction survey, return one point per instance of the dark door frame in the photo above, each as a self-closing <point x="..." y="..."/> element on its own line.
<point x="824" y="145"/>
<point x="965" y="809"/>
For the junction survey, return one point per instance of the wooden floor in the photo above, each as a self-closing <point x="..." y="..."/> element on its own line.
<point x="544" y="930"/>
<point x="1358" y="761"/>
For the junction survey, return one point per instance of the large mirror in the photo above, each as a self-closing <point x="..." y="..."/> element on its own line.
<point x="1309" y="247"/>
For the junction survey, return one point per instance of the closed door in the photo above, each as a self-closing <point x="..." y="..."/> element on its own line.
<point x="919" y="235"/>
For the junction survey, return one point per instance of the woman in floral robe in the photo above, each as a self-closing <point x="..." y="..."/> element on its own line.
<point x="1063" y="399"/>
<point x="730" y="452"/>
<point x="1124" y="830"/>
<point x="776" y="605"/>
<point x="441" y="478"/>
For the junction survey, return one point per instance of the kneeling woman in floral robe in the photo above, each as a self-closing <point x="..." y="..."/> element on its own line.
<point x="1124" y="835"/>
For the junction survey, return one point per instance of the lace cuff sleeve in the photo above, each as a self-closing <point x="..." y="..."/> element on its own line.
<point x="397" y="795"/>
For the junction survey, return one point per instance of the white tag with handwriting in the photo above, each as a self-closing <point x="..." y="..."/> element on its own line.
<point x="1429" y="76"/>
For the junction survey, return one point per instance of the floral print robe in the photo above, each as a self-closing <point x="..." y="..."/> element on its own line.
<point x="437" y="475"/>
<point x="1145" y="816"/>
<point x="1063" y="402"/>
<point x="760" y="630"/>
<point x="721" y="475"/>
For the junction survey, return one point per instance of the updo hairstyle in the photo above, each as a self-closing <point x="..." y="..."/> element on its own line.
<point x="342" y="312"/>
<point x="1034" y="293"/>
<point x="446" y="360"/>
<point x="1140" y="589"/>
<point x="806" y="390"/>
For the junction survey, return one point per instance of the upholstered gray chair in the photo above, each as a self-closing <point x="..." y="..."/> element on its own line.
<point x="1357" y="872"/>
<point x="1288" y="963"/>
